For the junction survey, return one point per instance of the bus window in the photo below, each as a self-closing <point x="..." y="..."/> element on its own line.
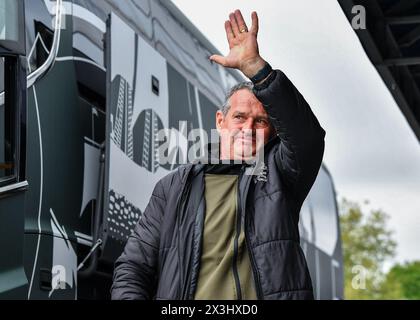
<point x="12" y="93"/>
<point x="6" y="127"/>
<point x="8" y="20"/>
<point x="12" y="30"/>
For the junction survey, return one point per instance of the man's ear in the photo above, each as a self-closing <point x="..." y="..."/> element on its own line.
<point x="219" y="120"/>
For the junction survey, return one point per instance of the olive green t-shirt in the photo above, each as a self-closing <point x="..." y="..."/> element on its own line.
<point x="224" y="269"/>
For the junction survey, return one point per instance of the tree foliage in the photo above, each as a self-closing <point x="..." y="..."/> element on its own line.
<point x="402" y="282"/>
<point x="367" y="244"/>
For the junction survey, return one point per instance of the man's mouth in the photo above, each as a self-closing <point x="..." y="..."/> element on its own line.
<point x="246" y="139"/>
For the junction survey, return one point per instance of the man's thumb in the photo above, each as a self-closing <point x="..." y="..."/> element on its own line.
<point x="218" y="59"/>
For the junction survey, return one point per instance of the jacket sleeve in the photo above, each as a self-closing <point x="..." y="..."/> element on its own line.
<point x="301" y="148"/>
<point x="135" y="273"/>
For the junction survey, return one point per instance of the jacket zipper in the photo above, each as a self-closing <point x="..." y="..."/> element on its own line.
<point x="180" y="204"/>
<point x="235" y="245"/>
<point x="248" y="244"/>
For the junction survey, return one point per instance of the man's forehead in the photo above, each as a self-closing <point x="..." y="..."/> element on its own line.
<point x="244" y="96"/>
<point x="245" y="101"/>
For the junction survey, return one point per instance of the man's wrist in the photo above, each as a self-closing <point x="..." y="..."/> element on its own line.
<point x="257" y="71"/>
<point x="251" y="68"/>
<point x="262" y="75"/>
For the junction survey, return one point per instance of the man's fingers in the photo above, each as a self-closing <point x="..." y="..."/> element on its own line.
<point x="218" y="59"/>
<point x="240" y="20"/>
<point x="234" y="24"/>
<point x="255" y="26"/>
<point x="229" y="32"/>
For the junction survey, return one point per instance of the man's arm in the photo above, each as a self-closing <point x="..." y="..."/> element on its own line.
<point x="135" y="274"/>
<point x="301" y="148"/>
<point x="302" y="139"/>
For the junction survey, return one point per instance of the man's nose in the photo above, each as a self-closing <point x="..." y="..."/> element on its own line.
<point x="248" y="126"/>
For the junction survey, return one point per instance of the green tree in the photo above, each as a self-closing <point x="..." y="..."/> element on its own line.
<point x="402" y="282"/>
<point x="367" y="244"/>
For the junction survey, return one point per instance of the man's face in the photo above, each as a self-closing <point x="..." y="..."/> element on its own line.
<point x="245" y="128"/>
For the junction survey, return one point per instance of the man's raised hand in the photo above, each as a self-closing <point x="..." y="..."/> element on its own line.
<point x="244" y="54"/>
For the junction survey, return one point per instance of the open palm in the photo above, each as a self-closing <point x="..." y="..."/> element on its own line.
<point x="243" y="45"/>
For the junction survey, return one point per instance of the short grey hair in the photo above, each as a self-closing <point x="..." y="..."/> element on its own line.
<point x="243" y="85"/>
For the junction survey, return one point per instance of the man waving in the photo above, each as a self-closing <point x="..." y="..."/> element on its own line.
<point x="213" y="231"/>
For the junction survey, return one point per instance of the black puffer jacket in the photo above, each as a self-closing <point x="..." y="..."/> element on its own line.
<point x="161" y="259"/>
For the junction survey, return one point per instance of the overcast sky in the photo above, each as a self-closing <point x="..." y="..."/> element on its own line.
<point x="370" y="151"/>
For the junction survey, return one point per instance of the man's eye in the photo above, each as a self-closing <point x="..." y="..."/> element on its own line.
<point x="238" y="117"/>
